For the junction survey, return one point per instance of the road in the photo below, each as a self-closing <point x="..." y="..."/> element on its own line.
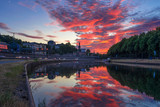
<point x="10" y="61"/>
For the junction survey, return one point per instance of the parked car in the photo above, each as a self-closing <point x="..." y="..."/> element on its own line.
<point x="45" y="58"/>
<point x="19" y="57"/>
<point x="40" y="58"/>
<point x="108" y="59"/>
<point x="76" y="59"/>
<point x="2" y="56"/>
<point x="26" y="57"/>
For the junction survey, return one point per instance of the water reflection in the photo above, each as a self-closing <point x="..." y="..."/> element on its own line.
<point x="141" y="79"/>
<point x="82" y="84"/>
<point x="64" y="69"/>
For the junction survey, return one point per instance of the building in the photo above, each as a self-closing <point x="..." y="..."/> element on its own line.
<point x="3" y="47"/>
<point x="57" y="46"/>
<point x="14" y="47"/>
<point x="81" y="51"/>
<point x="51" y="43"/>
<point x="51" y="46"/>
<point x="37" y="48"/>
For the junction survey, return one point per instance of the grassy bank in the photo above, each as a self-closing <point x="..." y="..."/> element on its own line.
<point x="12" y="85"/>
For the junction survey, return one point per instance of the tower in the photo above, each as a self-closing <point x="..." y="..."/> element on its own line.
<point x="79" y="47"/>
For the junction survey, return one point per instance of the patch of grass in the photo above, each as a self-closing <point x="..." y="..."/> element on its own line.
<point x="10" y="79"/>
<point x="16" y="70"/>
<point x="15" y="103"/>
<point x="36" y="60"/>
<point x="5" y="98"/>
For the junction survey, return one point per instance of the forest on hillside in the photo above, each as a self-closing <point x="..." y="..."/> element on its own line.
<point x="145" y="45"/>
<point x="9" y="39"/>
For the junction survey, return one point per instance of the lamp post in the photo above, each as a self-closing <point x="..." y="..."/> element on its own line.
<point x="13" y="35"/>
<point x="13" y="44"/>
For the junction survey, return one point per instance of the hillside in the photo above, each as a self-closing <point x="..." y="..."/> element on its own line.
<point x="9" y="39"/>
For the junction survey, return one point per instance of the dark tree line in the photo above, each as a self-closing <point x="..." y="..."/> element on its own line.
<point x="139" y="46"/>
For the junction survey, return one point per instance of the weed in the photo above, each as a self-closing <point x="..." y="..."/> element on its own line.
<point x="36" y="60"/>
<point x="5" y="98"/>
<point x="42" y="103"/>
<point x="10" y="77"/>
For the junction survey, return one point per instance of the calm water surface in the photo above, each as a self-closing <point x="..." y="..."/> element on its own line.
<point x="80" y="84"/>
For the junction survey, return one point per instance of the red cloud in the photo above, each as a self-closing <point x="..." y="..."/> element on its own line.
<point x="67" y="41"/>
<point x="40" y="35"/>
<point x="31" y="5"/>
<point x="51" y="36"/>
<point x="29" y="36"/>
<point x="4" y="26"/>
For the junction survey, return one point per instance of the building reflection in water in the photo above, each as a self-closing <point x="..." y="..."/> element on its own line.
<point x="51" y="71"/>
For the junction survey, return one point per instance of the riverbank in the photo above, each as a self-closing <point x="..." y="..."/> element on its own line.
<point x="13" y="91"/>
<point x="145" y="63"/>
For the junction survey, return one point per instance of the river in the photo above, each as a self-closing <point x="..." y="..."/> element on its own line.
<point x="83" y="84"/>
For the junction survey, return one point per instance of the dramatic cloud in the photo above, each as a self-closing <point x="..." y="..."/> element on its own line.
<point x="101" y="23"/>
<point x="4" y="26"/>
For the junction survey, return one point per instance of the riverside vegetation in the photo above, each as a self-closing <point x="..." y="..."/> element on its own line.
<point x="12" y="85"/>
<point x="139" y="46"/>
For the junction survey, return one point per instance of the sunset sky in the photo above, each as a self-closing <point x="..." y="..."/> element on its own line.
<point x="97" y="24"/>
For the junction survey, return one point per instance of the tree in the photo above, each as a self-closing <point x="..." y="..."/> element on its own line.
<point x="141" y="46"/>
<point x="66" y="48"/>
<point x="88" y="52"/>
